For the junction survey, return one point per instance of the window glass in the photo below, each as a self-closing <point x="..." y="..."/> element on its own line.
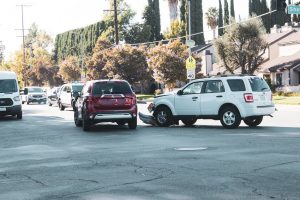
<point x="33" y="90"/>
<point x="214" y="86"/>
<point x="236" y="85"/>
<point x="77" y="88"/>
<point x="258" y="84"/>
<point x="8" y="85"/>
<point x="101" y="88"/>
<point x="194" y="88"/>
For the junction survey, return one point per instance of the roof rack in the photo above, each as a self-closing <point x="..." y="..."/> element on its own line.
<point x="232" y="75"/>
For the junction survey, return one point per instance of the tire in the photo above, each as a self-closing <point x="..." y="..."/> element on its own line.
<point x="78" y="122"/>
<point x="28" y="102"/>
<point x="132" y="124"/>
<point x="253" y="121"/>
<point x="19" y="115"/>
<point x="163" y="116"/>
<point x="23" y="102"/>
<point x="49" y="103"/>
<point x="230" y="117"/>
<point x="61" y="107"/>
<point x="86" y="124"/>
<point x="189" y="122"/>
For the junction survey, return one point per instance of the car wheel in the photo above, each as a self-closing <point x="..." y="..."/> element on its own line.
<point x="61" y="107"/>
<point x="49" y="103"/>
<point x="77" y="121"/>
<point x="230" y="117"/>
<point x="86" y="124"/>
<point x="163" y="116"/>
<point x="189" y="122"/>
<point x="132" y="124"/>
<point x="23" y="102"/>
<point x="19" y="115"/>
<point x="28" y="102"/>
<point x="253" y="121"/>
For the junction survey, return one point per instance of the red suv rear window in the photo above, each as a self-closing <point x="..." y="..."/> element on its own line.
<point x="111" y="87"/>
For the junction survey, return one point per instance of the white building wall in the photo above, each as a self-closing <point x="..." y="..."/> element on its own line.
<point x="288" y="50"/>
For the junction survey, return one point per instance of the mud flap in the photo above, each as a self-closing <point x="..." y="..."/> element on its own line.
<point x="147" y="119"/>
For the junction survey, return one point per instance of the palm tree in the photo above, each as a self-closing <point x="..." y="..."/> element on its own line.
<point x="212" y="19"/>
<point x="173" y="8"/>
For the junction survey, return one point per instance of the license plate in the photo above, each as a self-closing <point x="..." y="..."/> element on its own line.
<point x="2" y="109"/>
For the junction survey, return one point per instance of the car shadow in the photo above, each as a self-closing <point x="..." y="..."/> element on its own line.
<point x="110" y="128"/>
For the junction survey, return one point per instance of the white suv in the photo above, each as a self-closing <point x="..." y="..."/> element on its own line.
<point x="229" y="99"/>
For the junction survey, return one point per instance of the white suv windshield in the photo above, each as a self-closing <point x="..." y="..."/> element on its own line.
<point x="8" y="86"/>
<point x="259" y="84"/>
<point x="35" y="90"/>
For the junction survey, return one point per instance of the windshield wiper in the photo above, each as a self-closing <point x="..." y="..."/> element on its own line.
<point x="264" y="88"/>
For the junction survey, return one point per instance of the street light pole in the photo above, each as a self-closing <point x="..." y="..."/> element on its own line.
<point x="190" y="27"/>
<point x="116" y="22"/>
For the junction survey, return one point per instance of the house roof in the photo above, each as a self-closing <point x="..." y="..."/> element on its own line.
<point x="281" y="63"/>
<point x="275" y="37"/>
<point x="200" y="47"/>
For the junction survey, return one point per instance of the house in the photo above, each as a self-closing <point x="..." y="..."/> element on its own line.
<point x="208" y="57"/>
<point x="282" y="58"/>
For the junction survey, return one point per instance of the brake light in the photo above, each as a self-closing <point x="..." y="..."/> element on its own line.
<point x="248" y="98"/>
<point x="130" y="101"/>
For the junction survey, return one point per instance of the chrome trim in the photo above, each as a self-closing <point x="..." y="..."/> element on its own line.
<point x="113" y="116"/>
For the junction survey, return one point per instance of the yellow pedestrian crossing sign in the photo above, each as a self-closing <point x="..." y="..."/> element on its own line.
<point x="190" y="63"/>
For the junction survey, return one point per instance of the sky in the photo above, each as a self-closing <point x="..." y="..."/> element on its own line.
<point x="57" y="16"/>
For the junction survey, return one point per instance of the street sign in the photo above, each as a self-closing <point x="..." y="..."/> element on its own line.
<point x="293" y="9"/>
<point x="190" y="63"/>
<point x="190" y="43"/>
<point x="190" y="73"/>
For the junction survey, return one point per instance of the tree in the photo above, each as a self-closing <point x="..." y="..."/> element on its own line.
<point x="242" y="46"/>
<point x="183" y="10"/>
<point x="167" y="63"/>
<point x="278" y="17"/>
<point x="212" y="19"/>
<point x="250" y="7"/>
<point x="151" y="16"/>
<point x="176" y="29"/>
<point x="69" y="69"/>
<point x="265" y="18"/>
<point x="220" y="20"/>
<point x="226" y="13"/>
<point x="173" y="5"/>
<point x="137" y="33"/>
<point x="127" y="62"/>
<point x="232" y="13"/>
<point x="197" y="21"/>
<point x="98" y="60"/>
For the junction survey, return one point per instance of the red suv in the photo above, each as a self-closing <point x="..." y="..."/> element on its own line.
<point x="106" y="101"/>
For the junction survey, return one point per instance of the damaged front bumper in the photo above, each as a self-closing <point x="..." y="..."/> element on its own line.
<point x="147" y="119"/>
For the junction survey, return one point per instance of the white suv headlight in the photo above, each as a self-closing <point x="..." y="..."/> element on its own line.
<point x="17" y="98"/>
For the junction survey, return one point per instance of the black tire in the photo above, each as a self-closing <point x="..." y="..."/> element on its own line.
<point x="189" y="122"/>
<point x="230" y="117"/>
<point x="163" y="116"/>
<point x="19" y="115"/>
<point x="49" y="103"/>
<point x="77" y="121"/>
<point x="253" y="121"/>
<point x="86" y="124"/>
<point x="132" y="124"/>
<point x="61" y="107"/>
<point x="28" y="102"/>
<point x="23" y="102"/>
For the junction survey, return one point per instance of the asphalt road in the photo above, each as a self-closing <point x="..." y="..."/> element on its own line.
<point x="45" y="156"/>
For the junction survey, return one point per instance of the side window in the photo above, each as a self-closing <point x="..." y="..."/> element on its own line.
<point x="214" y="86"/>
<point x="194" y="88"/>
<point x="64" y="89"/>
<point x="236" y="85"/>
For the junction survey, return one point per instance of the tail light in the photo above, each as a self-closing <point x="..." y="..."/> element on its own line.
<point x="248" y="98"/>
<point x="129" y="101"/>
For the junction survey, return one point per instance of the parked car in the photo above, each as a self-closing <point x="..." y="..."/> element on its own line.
<point x="66" y="97"/>
<point x="10" y="101"/>
<point x="52" y="96"/>
<point x="34" y="95"/>
<point x="229" y="99"/>
<point x="106" y="101"/>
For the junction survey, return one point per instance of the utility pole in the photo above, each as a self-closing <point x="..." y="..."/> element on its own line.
<point x="2" y="47"/>
<point x="116" y="22"/>
<point x="23" y="36"/>
<point x="116" y="27"/>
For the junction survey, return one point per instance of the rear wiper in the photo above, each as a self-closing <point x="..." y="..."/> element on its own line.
<point x="264" y="88"/>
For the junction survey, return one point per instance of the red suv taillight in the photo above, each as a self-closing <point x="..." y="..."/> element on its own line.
<point x="129" y="101"/>
<point x="248" y="98"/>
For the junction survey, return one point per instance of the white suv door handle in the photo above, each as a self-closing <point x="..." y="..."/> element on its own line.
<point x="219" y="96"/>
<point x="194" y="98"/>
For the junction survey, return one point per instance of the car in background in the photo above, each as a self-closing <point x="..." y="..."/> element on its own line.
<point x="67" y="95"/>
<point x="106" y="101"/>
<point x="34" y="95"/>
<point x="10" y="101"/>
<point x="52" y="96"/>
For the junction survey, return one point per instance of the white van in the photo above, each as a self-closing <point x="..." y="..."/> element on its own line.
<point x="10" y="101"/>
